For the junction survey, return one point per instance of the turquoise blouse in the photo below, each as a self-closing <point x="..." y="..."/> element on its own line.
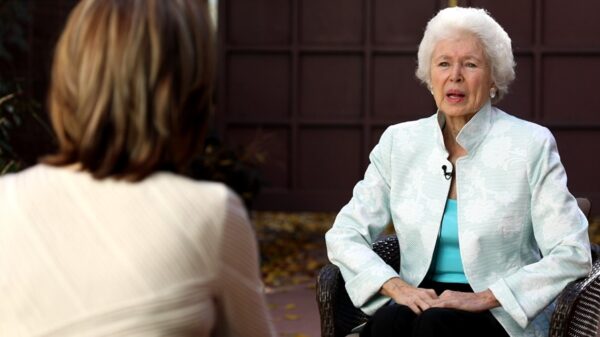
<point x="447" y="266"/>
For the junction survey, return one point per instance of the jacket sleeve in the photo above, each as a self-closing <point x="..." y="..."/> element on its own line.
<point x="560" y="230"/>
<point x="358" y="224"/>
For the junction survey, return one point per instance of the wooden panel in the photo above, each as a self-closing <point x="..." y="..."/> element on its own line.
<point x="260" y="85"/>
<point x="329" y="158"/>
<point x="401" y="22"/>
<point x="297" y="201"/>
<point x="572" y="24"/>
<point x="333" y="76"/>
<point x="259" y="21"/>
<point x="577" y="149"/>
<point x="376" y="133"/>
<point x="331" y="86"/>
<point x="519" y="101"/>
<point x="570" y="94"/>
<point x="375" y="136"/>
<point x="48" y="20"/>
<point x="272" y="145"/>
<point x="515" y="16"/>
<point x="331" y="21"/>
<point x="397" y="93"/>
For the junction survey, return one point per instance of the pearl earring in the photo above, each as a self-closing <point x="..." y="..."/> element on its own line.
<point x="493" y="93"/>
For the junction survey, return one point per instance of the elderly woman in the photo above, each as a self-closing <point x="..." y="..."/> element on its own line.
<point x="488" y="231"/>
<point x="107" y="238"/>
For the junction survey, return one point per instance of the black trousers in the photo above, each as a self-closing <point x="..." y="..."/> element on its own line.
<point x="399" y="321"/>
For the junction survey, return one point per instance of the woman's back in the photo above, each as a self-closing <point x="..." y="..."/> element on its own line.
<point x="166" y="256"/>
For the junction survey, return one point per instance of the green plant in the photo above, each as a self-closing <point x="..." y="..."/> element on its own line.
<point x="16" y="107"/>
<point x="239" y="168"/>
<point x="7" y="156"/>
<point x="14" y="17"/>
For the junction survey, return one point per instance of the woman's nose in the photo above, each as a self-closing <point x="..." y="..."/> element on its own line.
<point x="456" y="73"/>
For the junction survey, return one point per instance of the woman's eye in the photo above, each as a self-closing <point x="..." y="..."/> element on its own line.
<point x="471" y="65"/>
<point x="443" y="64"/>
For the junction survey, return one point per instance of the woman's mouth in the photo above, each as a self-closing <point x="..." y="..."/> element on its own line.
<point x="455" y="96"/>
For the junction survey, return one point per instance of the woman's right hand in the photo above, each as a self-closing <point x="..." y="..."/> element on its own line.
<point x="417" y="299"/>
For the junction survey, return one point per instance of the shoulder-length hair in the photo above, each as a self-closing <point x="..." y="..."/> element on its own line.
<point x="131" y="86"/>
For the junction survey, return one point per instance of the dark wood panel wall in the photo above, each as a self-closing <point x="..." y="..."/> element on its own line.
<point x="321" y="79"/>
<point x="557" y="47"/>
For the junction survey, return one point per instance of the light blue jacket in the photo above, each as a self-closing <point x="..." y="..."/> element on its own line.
<point x="513" y="203"/>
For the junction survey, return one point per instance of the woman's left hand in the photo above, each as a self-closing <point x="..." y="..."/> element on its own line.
<point x="474" y="302"/>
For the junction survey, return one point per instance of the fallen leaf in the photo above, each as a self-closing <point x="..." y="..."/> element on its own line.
<point x="291" y="317"/>
<point x="292" y="246"/>
<point x="313" y="264"/>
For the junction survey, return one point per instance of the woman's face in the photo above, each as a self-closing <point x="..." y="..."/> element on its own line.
<point x="460" y="76"/>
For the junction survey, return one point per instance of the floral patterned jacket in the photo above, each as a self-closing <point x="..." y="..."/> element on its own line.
<point x="521" y="233"/>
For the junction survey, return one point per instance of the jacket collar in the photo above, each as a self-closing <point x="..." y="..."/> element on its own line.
<point x="473" y="133"/>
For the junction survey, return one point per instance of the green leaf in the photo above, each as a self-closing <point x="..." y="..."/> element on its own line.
<point x="10" y="166"/>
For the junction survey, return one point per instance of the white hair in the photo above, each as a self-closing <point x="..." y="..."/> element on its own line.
<point x="452" y="21"/>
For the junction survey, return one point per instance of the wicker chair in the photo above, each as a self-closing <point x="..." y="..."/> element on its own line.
<point x="577" y="312"/>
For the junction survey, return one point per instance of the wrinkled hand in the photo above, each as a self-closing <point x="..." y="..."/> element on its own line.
<point x="417" y="299"/>
<point x="473" y="302"/>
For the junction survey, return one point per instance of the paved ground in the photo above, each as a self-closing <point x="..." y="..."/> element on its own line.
<point x="294" y="311"/>
<point x="292" y="250"/>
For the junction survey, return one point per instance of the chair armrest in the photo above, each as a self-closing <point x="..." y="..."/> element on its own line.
<point x="387" y="248"/>
<point x="338" y="314"/>
<point x="577" y="311"/>
<point x="327" y="284"/>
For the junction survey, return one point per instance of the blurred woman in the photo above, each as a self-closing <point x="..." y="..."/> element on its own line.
<point x="105" y="237"/>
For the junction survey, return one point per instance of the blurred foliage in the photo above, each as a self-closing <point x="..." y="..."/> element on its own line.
<point x="16" y="107"/>
<point x="14" y="17"/>
<point x="239" y="167"/>
<point x="292" y="246"/>
<point x="594" y="230"/>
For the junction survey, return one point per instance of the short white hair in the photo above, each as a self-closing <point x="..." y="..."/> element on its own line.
<point x="451" y="21"/>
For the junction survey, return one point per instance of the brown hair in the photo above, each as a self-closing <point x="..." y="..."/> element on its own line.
<point x="131" y="86"/>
